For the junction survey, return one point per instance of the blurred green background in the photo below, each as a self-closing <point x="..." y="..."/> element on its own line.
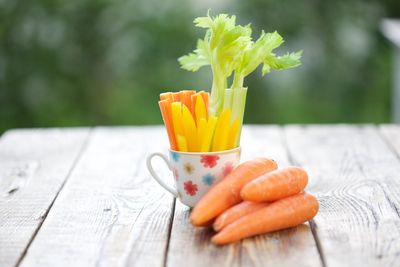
<point x="88" y="62"/>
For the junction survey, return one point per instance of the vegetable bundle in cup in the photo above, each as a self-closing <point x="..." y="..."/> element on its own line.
<point x="229" y="50"/>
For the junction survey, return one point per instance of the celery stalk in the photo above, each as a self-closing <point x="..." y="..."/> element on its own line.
<point x="238" y="105"/>
<point x="228" y="99"/>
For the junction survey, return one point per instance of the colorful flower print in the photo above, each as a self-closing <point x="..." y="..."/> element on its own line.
<point x="176" y="173"/>
<point x="190" y="188"/>
<point x="208" y="179"/>
<point x="175" y="156"/>
<point x="209" y="161"/>
<point x="188" y="168"/>
<point x="228" y="168"/>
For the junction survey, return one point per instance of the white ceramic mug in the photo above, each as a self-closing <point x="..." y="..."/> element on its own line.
<point x="195" y="172"/>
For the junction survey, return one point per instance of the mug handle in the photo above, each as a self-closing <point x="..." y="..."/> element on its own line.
<point x="170" y="189"/>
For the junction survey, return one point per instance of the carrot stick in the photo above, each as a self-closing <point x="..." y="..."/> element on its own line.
<point x="193" y="104"/>
<point x="176" y="113"/>
<point x="226" y="193"/>
<point x="200" y="109"/>
<point x="206" y="97"/>
<point x="166" y="96"/>
<point x="208" y="134"/>
<point x="185" y="97"/>
<point x="236" y="212"/>
<point x="233" y="134"/>
<point x="275" y="185"/>
<point x="165" y="107"/>
<point x="201" y="132"/>
<point x="220" y="140"/>
<point x="281" y="214"/>
<point x="182" y="144"/>
<point x="190" y="130"/>
<point x="176" y="96"/>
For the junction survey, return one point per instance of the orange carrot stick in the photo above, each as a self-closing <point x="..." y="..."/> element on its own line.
<point x="206" y="97"/>
<point x="165" y="107"/>
<point x="193" y="105"/>
<point x="226" y="193"/>
<point x="275" y="185"/>
<point x="176" y="96"/>
<point x="185" y="97"/>
<point x="281" y="214"/>
<point x="166" y="96"/>
<point x="236" y="212"/>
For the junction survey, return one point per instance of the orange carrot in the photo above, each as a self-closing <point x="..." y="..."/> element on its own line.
<point x="275" y="185"/>
<point x="176" y="96"/>
<point x="166" y="96"/>
<point x="226" y="193"/>
<point x="206" y="97"/>
<point x="165" y="107"/>
<point x="185" y="97"/>
<point x="193" y="105"/>
<point x="236" y="212"/>
<point x="281" y="214"/>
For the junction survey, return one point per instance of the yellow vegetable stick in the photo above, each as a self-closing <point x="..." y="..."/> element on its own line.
<point x="182" y="144"/>
<point x="176" y="111"/>
<point x="189" y="128"/>
<point x="201" y="130"/>
<point x="200" y="109"/>
<point x="233" y="134"/>
<point x="220" y="140"/>
<point x="208" y="135"/>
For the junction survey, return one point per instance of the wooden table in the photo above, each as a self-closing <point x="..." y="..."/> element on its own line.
<point x="83" y="197"/>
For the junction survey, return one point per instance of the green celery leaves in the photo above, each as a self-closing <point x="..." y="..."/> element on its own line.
<point x="228" y="48"/>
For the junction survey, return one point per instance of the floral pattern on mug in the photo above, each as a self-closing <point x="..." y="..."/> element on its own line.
<point x="175" y="156"/>
<point x="228" y="168"/>
<point x="190" y="188"/>
<point x="209" y="161"/>
<point x="189" y="168"/>
<point x="208" y="179"/>
<point x="194" y="174"/>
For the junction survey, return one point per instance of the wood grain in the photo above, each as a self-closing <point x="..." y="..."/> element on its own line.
<point x="391" y="133"/>
<point x="110" y="213"/>
<point x="355" y="176"/>
<point x="191" y="246"/>
<point x="33" y="167"/>
<point x="281" y="248"/>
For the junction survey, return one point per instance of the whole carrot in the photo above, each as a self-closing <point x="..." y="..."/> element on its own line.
<point x="236" y="212"/>
<point x="226" y="193"/>
<point x="275" y="185"/>
<point x="281" y="214"/>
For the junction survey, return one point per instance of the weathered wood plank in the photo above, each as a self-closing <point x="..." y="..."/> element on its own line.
<point x="355" y="176"/>
<point x="34" y="165"/>
<point x="110" y="213"/>
<point x="391" y="133"/>
<point x="191" y="247"/>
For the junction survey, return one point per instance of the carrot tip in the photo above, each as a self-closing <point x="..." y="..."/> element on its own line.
<point x="194" y="222"/>
<point x="216" y="240"/>
<point x="217" y="227"/>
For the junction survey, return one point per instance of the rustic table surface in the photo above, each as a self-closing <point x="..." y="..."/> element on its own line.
<point x="83" y="197"/>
